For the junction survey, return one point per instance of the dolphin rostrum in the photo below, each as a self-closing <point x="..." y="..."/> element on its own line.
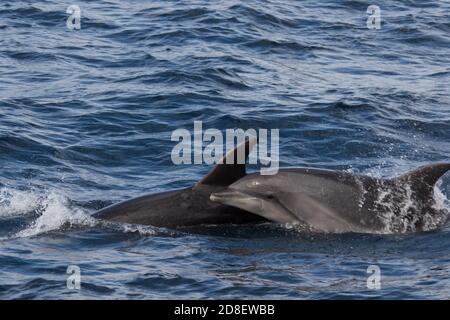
<point x="190" y="206"/>
<point x="336" y="202"/>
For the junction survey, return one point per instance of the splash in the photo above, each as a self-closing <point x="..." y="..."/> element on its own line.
<point x="133" y="228"/>
<point x="52" y="209"/>
<point x="401" y="213"/>
<point x="394" y="209"/>
<point x="18" y="202"/>
<point x="442" y="204"/>
<point x="56" y="212"/>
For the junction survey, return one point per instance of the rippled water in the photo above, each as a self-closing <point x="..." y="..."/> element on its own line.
<point x="86" y="118"/>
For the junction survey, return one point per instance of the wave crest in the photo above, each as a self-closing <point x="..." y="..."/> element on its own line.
<point x="50" y="211"/>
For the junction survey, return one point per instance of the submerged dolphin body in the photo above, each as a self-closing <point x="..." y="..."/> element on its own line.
<point x="335" y="202"/>
<point x="190" y="206"/>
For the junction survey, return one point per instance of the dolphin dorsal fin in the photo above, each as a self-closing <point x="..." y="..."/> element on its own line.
<point x="424" y="178"/>
<point x="229" y="169"/>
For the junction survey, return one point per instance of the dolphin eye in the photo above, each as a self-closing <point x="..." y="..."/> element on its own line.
<point x="270" y="196"/>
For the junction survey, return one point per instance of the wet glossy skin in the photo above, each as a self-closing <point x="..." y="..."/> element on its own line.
<point x="177" y="208"/>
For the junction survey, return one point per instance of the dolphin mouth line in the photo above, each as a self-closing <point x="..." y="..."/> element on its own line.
<point x="228" y="196"/>
<point x="242" y="200"/>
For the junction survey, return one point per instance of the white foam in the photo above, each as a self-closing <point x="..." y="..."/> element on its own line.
<point x="141" y="229"/>
<point x="402" y="215"/>
<point x="56" y="213"/>
<point x="53" y="211"/>
<point x="131" y="228"/>
<point x="18" y="202"/>
<point x="52" y="208"/>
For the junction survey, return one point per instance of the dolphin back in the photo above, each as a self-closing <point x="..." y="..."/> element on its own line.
<point x="190" y="206"/>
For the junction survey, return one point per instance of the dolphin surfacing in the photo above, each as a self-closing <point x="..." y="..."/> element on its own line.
<point x="190" y="206"/>
<point x="336" y="202"/>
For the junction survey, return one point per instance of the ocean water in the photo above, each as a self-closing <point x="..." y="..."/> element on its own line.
<point x="86" y="118"/>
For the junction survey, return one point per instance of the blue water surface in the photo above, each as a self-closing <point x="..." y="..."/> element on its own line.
<point x="86" y="118"/>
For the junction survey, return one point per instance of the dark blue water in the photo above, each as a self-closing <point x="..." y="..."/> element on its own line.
<point x="86" y="118"/>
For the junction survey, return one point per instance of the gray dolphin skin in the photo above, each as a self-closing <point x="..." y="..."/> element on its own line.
<point x="337" y="202"/>
<point x="190" y="206"/>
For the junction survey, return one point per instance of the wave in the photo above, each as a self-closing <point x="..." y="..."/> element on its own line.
<point x="17" y="202"/>
<point x="49" y="211"/>
<point x="52" y="210"/>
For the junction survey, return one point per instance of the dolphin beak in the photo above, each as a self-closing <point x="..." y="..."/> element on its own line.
<point x="221" y="197"/>
<point x="228" y="196"/>
<point x="237" y="199"/>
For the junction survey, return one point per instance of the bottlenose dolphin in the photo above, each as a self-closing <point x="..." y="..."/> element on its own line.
<point x="190" y="206"/>
<point x="336" y="202"/>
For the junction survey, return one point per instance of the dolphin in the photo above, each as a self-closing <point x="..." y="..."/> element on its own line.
<point x="329" y="201"/>
<point x="189" y="206"/>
